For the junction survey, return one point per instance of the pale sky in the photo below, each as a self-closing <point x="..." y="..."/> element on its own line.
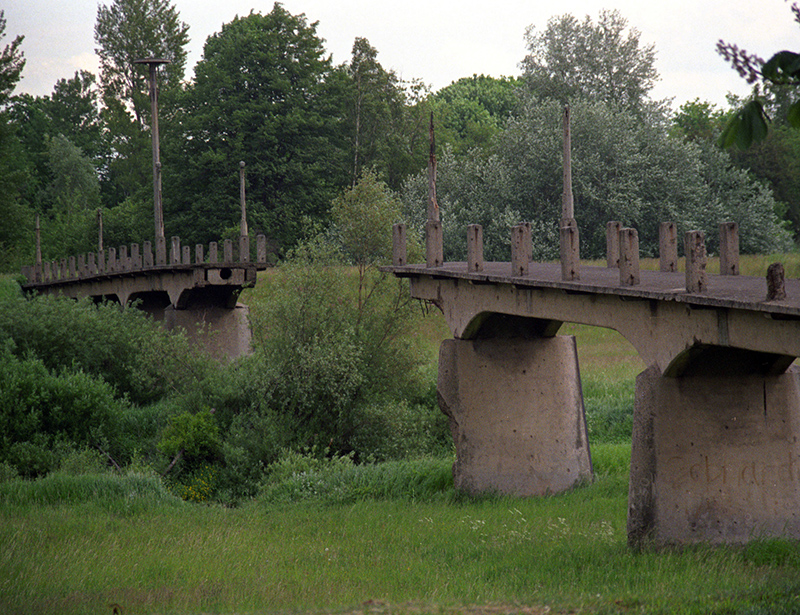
<point x="439" y="42"/>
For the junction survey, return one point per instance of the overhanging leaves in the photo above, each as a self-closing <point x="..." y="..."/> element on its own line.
<point x="747" y="126"/>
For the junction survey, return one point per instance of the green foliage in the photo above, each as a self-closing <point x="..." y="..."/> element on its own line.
<point x="697" y="121"/>
<point x="12" y="61"/>
<point x="122" y="494"/>
<point x="602" y="62"/>
<point x="776" y="162"/>
<point x="379" y="117"/>
<point x="264" y="93"/>
<point x="39" y="408"/>
<point x="471" y="111"/>
<point x="130" y="30"/>
<point x="196" y="436"/>
<point x="779" y="76"/>
<point x="623" y="169"/>
<point x="126" y="348"/>
<point x="306" y="477"/>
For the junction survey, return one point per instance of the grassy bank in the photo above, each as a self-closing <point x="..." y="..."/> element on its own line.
<point x="387" y="538"/>
<point x="432" y="553"/>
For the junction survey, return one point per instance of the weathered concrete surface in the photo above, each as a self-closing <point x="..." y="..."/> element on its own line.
<point x="221" y="332"/>
<point x="666" y="325"/>
<point x="716" y="458"/>
<point x="516" y="414"/>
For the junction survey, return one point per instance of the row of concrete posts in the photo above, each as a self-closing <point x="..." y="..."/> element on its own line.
<point x="716" y="435"/>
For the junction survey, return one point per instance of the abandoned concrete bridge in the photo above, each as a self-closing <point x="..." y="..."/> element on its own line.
<point x="197" y="292"/>
<point x="715" y="455"/>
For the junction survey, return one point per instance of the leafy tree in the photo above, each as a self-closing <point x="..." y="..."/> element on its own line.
<point x="17" y="219"/>
<point x="779" y="77"/>
<point x="74" y="111"/>
<point x="130" y="30"/>
<point x="382" y="118"/>
<point x="264" y="93"/>
<point x="126" y="31"/>
<point x="72" y="196"/>
<point x="697" y="121"/>
<point x="471" y="111"/>
<point x="376" y="96"/>
<point x="12" y="61"/>
<point x="776" y="162"/>
<point x="596" y="62"/>
<point x="623" y="169"/>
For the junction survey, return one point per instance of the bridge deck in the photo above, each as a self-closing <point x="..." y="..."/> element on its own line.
<point x="738" y="292"/>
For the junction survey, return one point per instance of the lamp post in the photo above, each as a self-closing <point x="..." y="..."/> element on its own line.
<point x="153" y="64"/>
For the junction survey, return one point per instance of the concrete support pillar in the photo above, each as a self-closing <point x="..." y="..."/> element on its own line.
<point x="136" y="257"/>
<point x="80" y="266"/>
<point x="161" y="250"/>
<point x="175" y="251"/>
<point x="244" y="249"/>
<point x="696" y="259"/>
<point x="516" y="414"/>
<point x="715" y="458"/>
<point x="147" y="254"/>
<point x="521" y="248"/>
<point x="112" y="260"/>
<point x="186" y="256"/>
<point x="474" y="248"/>
<point x="668" y="246"/>
<point x="47" y="275"/>
<point x="434" y="243"/>
<point x="399" y="245"/>
<point x="227" y="251"/>
<point x="64" y="269"/>
<point x="570" y="250"/>
<point x="729" y="248"/>
<point x="91" y="265"/>
<point x="628" y="257"/>
<point x="198" y="254"/>
<point x="122" y="259"/>
<point x="221" y="332"/>
<point x="776" y="282"/>
<point x="213" y="256"/>
<point x="612" y="244"/>
<point x="261" y="249"/>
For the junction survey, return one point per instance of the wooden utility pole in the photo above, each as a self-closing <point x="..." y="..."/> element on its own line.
<point x="153" y="64"/>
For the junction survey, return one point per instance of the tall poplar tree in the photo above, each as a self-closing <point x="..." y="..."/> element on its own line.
<point x="126" y="31"/>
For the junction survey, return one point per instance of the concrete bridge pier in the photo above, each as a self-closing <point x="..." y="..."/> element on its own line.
<point x="715" y="458"/>
<point x="516" y="413"/>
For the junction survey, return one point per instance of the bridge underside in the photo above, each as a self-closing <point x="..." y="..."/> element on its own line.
<point x="200" y="299"/>
<point x="716" y="441"/>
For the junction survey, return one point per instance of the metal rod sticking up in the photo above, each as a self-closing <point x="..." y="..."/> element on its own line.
<point x="434" y="239"/>
<point x="153" y="64"/>
<point x="243" y="228"/>
<point x="38" y="243"/>
<point x="99" y="229"/>
<point x="569" y="236"/>
<point x="433" y="206"/>
<point x="567" y="202"/>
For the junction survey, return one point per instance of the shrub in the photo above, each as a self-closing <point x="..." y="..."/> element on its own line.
<point x="42" y="414"/>
<point x="126" y="348"/>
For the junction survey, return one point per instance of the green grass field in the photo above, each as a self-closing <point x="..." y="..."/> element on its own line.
<point x="382" y="539"/>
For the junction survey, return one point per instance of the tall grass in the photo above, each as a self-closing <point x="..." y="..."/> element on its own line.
<point x="567" y="553"/>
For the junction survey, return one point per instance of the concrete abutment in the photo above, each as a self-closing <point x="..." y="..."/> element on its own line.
<point x="715" y="458"/>
<point x="516" y="414"/>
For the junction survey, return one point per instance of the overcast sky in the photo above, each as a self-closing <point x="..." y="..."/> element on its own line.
<point x="439" y="41"/>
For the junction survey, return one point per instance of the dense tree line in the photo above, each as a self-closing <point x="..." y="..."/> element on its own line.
<point x="267" y="93"/>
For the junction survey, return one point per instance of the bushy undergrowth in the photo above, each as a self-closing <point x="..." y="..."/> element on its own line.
<point x="331" y="368"/>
